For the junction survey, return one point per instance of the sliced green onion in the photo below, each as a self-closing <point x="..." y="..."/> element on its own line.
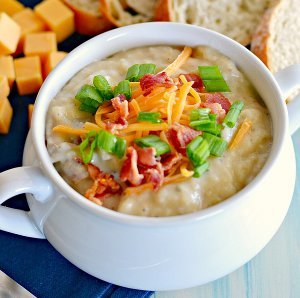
<point x="211" y="127"/>
<point x="210" y="72"/>
<point x="216" y="85"/>
<point x="154" y="141"/>
<point x="198" y="151"/>
<point x="233" y="114"/>
<point x="200" y="170"/>
<point x="137" y="71"/>
<point x="146" y="68"/>
<point x="89" y="96"/>
<point x="199" y="113"/>
<point x="86" y="108"/>
<point x="149" y="117"/>
<point x="106" y="141"/>
<point x="217" y="146"/>
<point x="86" y="149"/>
<point x="103" y="87"/>
<point x="120" y="147"/>
<point x="123" y="88"/>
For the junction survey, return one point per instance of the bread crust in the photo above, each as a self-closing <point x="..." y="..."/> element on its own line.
<point x="261" y="39"/>
<point x="162" y="11"/>
<point x="87" y="23"/>
<point x="106" y="11"/>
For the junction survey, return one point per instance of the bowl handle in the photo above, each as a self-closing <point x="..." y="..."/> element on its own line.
<point x="288" y="80"/>
<point x="17" y="181"/>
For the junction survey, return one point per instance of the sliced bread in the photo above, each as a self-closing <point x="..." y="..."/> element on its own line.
<point x="237" y="19"/>
<point x="277" y="39"/>
<point x="88" y="18"/>
<point x="127" y="12"/>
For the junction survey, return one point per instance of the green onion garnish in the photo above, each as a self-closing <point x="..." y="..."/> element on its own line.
<point x="206" y="123"/>
<point x="120" y="147"/>
<point x="90" y="98"/>
<point x="198" y="151"/>
<point x="233" y="114"/>
<point x="210" y="72"/>
<point x="106" y="141"/>
<point x="213" y="79"/>
<point x="216" y="86"/>
<point x="154" y="141"/>
<point x="86" y="149"/>
<point x="199" y="113"/>
<point x="123" y="88"/>
<point x="149" y="117"/>
<point x="200" y="170"/>
<point x="137" y="71"/>
<point x="217" y="146"/>
<point x="103" y="87"/>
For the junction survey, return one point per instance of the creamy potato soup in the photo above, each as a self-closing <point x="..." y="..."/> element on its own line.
<point x="159" y="131"/>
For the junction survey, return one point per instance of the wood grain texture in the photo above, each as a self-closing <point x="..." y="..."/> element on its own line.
<point x="273" y="273"/>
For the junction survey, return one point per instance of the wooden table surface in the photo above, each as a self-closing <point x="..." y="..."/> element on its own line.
<point x="273" y="273"/>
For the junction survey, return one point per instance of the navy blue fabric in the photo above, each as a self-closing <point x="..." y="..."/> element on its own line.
<point x="33" y="263"/>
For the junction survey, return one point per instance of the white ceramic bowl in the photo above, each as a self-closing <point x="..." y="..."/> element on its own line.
<point x="155" y="253"/>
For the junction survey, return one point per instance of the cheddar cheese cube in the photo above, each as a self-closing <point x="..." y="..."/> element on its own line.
<point x="6" y="113"/>
<point x="40" y="44"/>
<point x="28" y="74"/>
<point x="10" y="33"/>
<point x="30" y="111"/>
<point x="10" y="6"/>
<point x="7" y="69"/>
<point x="58" y="17"/>
<point x="4" y="87"/>
<point x="52" y="60"/>
<point x="29" y="23"/>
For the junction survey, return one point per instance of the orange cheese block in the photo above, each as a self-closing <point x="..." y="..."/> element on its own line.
<point x="40" y="44"/>
<point x="30" y="110"/>
<point x="7" y="69"/>
<point x="6" y="113"/>
<point x="28" y="74"/>
<point x="10" y="6"/>
<point x="10" y="33"/>
<point x="29" y="23"/>
<point x="4" y="87"/>
<point x="52" y="60"/>
<point x="58" y="17"/>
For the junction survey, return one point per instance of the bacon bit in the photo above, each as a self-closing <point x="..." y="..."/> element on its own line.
<point x="180" y="136"/>
<point x="120" y="104"/>
<point x="217" y="109"/>
<point x="155" y="176"/>
<point x="129" y="170"/>
<point x="149" y="82"/>
<point x="104" y="185"/>
<point x="146" y="156"/>
<point x="170" y="160"/>
<point x="218" y="98"/>
<point x="198" y="83"/>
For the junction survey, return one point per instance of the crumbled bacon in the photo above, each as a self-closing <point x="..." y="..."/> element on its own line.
<point x="170" y="160"/>
<point x="120" y="104"/>
<point x="180" y="136"/>
<point x="155" y="176"/>
<point x="198" y="83"/>
<point x="146" y="156"/>
<point x="149" y="82"/>
<point x="104" y="185"/>
<point x="217" y="109"/>
<point x="129" y="170"/>
<point x="217" y="98"/>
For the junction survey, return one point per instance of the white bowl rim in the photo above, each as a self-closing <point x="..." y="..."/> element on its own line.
<point x="38" y="138"/>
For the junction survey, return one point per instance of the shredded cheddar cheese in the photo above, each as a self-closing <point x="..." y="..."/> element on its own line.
<point x="239" y="136"/>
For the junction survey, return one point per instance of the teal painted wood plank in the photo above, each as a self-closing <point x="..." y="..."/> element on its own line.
<point x="273" y="273"/>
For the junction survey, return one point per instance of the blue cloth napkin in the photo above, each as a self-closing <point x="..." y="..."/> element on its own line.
<point x="34" y="263"/>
